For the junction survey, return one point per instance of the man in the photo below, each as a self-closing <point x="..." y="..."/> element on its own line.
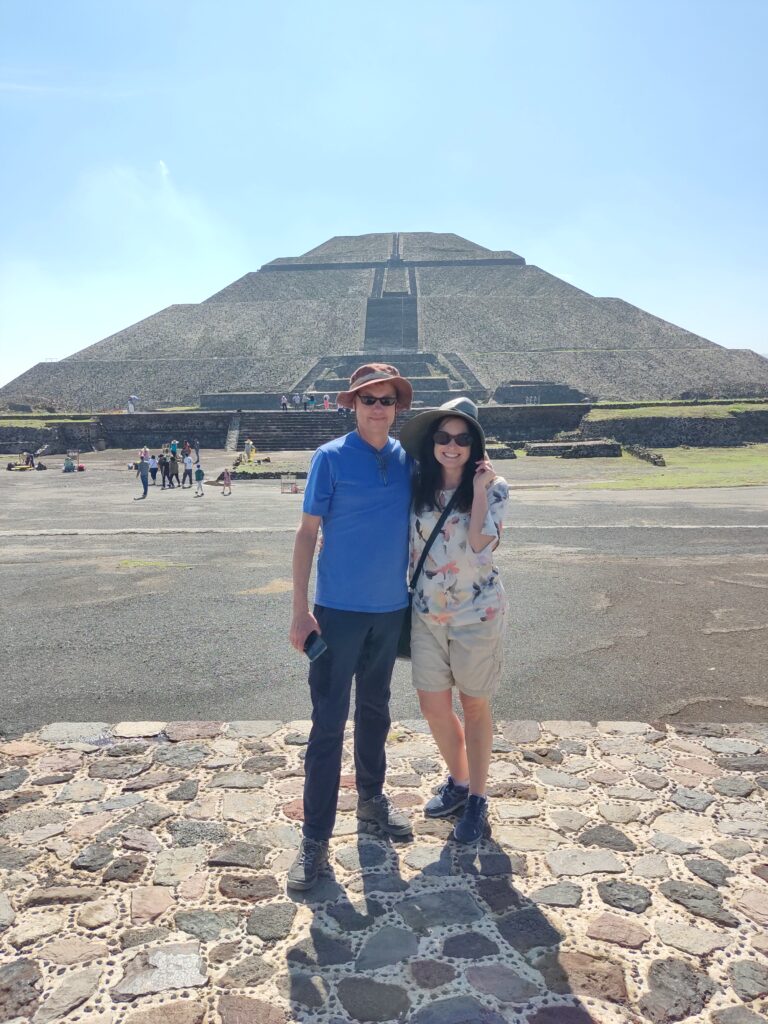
<point x="359" y="490"/>
<point x="187" y="474"/>
<point x="142" y="471"/>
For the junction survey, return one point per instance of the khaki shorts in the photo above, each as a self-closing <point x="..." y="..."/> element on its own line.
<point x="471" y="657"/>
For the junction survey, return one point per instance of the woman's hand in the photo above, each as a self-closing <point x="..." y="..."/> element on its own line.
<point x="484" y="475"/>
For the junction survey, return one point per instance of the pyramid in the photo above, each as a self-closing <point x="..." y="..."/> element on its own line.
<point x="450" y="312"/>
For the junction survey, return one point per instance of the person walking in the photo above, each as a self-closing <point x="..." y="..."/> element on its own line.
<point x="358" y="490"/>
<point x="248" y="449"/>
<point x="311" y="402"/>
<point x="153" y="467"/>
<point x="162" y="465"/>
<point x="142" y="472"/>
<point x="199" y="477"/>
<point x="187" y="474"/>
<point x="284" y="403"/>
<point x="326" y="402"/>
<point x="226" y="482"/>
<point x="173" y="469"/>
<point x="296" y="401"/>
<point x="459" y="604"/>
<point x="196" y="446"/>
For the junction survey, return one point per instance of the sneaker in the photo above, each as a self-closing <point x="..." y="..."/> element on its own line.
<point x="449" y="798"/>
<point x="380" y="813"/>
<point x="311" y="858"/>
<point x="473" y="823"/>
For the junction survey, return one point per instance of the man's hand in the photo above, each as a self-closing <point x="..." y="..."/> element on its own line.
<point x="301" y="627"/>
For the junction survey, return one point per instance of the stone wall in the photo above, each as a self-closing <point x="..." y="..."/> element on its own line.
<point x="530" y="422"/>
<point x="670" y="431"/>
<point x="124" y="431"/>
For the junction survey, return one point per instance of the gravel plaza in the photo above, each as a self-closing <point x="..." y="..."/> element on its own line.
<point x="152" y="732"/>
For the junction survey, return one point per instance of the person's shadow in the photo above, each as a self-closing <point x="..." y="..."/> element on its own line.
<point x="387" y="948"/>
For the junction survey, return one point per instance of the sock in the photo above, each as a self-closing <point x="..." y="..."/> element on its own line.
<point x="460" y="785"/>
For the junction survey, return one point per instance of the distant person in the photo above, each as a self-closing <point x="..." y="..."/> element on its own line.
<point x="187" y="448"/>
<point x="153" y="467"/>
<point x="162" y="465"/>
<point x="248" y="449"/>
<point x="187" y="475"/>
<point x="311" y="403"/>
<point x="144" y="453"/>
<point x="326" y="402"/>
<point x="284" y="403"/>
<point x="173" y="469"/>
<point x="199" y="477"/>
<point x="296" y="401"/>
<point x="142" y="472"/>
<point x="226" y="482"/>
<point x="174" y="447"/>
<point x="196" y="444"/>
<point x="305" y="400"/>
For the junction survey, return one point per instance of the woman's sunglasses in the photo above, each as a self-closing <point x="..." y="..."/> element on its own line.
<point x="442" y="437"/>
<point x="372" y="399"/>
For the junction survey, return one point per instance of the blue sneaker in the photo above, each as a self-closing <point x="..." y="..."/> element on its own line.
<point x="473" y="823"/>
<point x="449" y="798"/>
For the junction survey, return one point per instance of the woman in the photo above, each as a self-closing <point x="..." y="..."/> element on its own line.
<point x="459" y="604"/>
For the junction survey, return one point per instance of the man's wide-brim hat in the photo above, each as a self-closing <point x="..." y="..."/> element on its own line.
<point x="413" y="432"/>
<point x="377" y="373"/>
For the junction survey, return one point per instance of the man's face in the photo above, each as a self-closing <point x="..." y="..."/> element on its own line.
<point x="376" y="416"/>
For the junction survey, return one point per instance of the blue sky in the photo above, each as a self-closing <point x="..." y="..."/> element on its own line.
<point x="155" y="150"/>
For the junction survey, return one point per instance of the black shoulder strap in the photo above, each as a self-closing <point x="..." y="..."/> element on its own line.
<point x="431" y="539"/>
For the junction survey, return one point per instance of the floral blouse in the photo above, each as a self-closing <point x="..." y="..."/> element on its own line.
<point x="457" y="585"/>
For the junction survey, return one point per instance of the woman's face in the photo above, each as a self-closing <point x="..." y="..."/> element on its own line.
<point x="452" y="455"/>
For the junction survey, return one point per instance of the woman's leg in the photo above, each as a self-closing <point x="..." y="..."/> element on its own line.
<point x="447" y="731"/>
<point x="478" y="731"/>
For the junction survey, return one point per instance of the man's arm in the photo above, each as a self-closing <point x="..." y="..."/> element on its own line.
<point x="303" y="622"/>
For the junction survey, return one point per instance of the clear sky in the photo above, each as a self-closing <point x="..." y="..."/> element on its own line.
<point x="156" y="150"/>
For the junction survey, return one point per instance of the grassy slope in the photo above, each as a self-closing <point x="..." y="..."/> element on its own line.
<point x="694" y="467"/>
<point x="695" y="411"/>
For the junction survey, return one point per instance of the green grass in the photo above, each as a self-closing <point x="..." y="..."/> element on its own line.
<point x="694" y="467"/>
<point x="37" y="422"/>
<point x="714" y="412"/>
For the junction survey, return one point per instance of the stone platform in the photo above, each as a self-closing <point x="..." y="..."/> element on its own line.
<point x="143" y="865"/>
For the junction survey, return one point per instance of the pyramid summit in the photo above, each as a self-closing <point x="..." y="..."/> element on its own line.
<point x="449" y="312"/>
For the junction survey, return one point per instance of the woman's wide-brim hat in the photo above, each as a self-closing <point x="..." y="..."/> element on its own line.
<point x="413" y="432"/>
<point x="377" y="373"/>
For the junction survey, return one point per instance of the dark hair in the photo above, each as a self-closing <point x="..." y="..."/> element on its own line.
<point x="428" y="477"/>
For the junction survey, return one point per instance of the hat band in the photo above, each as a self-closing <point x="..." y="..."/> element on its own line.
<point x="369" y="378"/>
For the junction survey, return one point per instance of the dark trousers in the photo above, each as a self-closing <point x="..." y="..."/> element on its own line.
<point x="187" y="476"/>
<point x="363" y="645"/>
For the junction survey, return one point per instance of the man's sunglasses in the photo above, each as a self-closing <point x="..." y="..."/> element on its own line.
<point x="442" y="437"/>
<point x="387" y="400"/>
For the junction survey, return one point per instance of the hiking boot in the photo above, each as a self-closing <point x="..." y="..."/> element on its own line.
<point x="473" y="824"/>
<point x="380" y="814"/>
<point x="448" y="798"/>
<point x="311" y="858"/>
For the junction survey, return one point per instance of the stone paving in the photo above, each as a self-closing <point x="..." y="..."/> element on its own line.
<point x="142" y="880"/>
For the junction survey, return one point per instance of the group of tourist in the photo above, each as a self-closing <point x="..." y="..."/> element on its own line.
<point x="173" y="458"/>
<point x="307" y="400"/>
<point x="409" y="529"/>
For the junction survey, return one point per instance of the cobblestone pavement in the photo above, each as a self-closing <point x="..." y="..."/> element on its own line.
<point x="143" y="865"/>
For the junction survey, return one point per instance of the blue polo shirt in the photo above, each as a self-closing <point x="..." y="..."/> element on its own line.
<point x="363" y="497"/>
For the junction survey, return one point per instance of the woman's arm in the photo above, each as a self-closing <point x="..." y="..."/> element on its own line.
<point x="484" y="477"/>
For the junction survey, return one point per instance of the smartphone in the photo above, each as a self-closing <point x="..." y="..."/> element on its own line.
<point x="314" y="646"/>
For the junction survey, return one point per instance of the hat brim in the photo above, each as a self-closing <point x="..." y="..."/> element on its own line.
<point x="403" y="389"/>
<point x="413" y="432"/>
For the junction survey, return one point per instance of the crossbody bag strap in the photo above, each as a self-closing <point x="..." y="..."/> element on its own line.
<point x="431" y="539"/>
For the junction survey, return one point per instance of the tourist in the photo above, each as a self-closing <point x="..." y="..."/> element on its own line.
<point x="248" y="448"/>
<point x="226" y="482"/>
<point x="173" y="469"/>
<point x="459" y="604"/>
<point x="186" y="449"/>
<point x="153" y="469"/>
<point x="326" y="402"/>
<point x="311" y="403"/>
<point x="284" y="403"/>
<point x="144" y="453"/>
<point x="296" y="401"/>
<point x="174" y="447"/>
<point x="163" y="466"/>
<point x="196" y="445"/>
<point x="142" y="471"/>
<point x="358" y="490"/>
<point x="199" y="477"/>
<point x="305" y="400"/>
<point x="187" y="475"/>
